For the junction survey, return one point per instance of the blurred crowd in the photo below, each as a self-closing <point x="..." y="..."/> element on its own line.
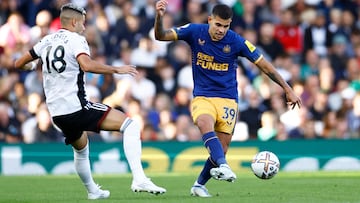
<point x="314" y="44"/>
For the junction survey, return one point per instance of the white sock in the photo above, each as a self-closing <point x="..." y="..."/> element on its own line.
<point x="82" y="167"/>
<point x="132" y="148"/>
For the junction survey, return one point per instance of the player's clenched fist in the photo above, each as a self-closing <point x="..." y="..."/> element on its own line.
<point x="161" y="7"/>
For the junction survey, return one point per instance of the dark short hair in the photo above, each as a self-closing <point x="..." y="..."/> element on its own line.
<point x="71" y="6"/>
<point x="223" y="11"/>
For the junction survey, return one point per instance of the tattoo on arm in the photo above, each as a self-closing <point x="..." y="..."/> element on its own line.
<point x="270" y="71"/>
<point x="273" y="77"/>
<point x="159" y="28"/>
<point x="160" y="33"/>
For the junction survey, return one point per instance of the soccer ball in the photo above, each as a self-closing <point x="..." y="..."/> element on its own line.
<point x="265" y="165"/>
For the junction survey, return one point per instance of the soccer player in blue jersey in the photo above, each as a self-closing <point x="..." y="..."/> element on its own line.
<point x="215" y="50"/>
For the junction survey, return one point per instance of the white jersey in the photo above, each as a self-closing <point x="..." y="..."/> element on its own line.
<point x="64" y="81"/>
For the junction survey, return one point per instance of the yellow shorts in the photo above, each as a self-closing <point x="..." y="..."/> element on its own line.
<point x="224" y="111"/>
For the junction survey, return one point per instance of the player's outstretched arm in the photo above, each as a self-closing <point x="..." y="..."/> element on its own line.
<point x="25" y="62"/>
<point x="160" y="33"/>
<point x="292" y="99"/>
<point x="89" y="65"/>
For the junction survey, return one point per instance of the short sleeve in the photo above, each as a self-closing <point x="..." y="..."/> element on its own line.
<point x="249" y="50"/>
<point x="183" y="32"/>
<point x="39" y="46"/>
<point x="80" y="46"/>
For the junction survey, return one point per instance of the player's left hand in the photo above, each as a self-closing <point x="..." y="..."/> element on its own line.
<point x="161" y="7"/>
<point x="127" y="69"/>
<point x="293" y="100"/>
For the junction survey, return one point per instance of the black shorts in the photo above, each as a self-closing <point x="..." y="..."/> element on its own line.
<point x="88" y="119"/>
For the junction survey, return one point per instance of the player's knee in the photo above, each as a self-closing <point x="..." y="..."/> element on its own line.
<point x="205" y="124"/>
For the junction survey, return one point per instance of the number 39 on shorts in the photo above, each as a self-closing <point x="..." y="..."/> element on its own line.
<point x="229" y="114"/>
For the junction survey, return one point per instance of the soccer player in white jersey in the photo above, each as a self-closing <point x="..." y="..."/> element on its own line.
<point x="65" y="58"/>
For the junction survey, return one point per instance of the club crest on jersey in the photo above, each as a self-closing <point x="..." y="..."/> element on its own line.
<point x="227" y="49"/>
<point x="201" y="42"/>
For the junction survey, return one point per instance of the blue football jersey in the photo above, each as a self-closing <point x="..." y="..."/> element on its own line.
<point x="214" y="63"/>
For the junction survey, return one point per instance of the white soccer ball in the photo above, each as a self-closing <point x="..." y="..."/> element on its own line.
<point x="265" y="165"/>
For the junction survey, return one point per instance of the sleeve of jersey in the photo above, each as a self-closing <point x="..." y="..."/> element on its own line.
<point x="183" y="32"/>
<point x="80" y="46"/>
<point x="38" y="47"/>
<point x="248" y="50"/>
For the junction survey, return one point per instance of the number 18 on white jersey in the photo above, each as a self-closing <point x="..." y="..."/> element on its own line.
<point x="63" y="79"/>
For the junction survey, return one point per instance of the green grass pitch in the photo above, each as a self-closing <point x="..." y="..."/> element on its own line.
<point x="309" y="187"/>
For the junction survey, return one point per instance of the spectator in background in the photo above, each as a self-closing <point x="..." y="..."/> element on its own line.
<point x="318" y="36"/>
<point x="5" y="10"/>
<point x="103" y="28"/>
<point x="289" y="34"/>
<point x="147" y="15"/>
<point x="121" y="96"/>
<point x="34" y="82"/>
<point x="310" y="65"/>
<point x="267" y="41"/>
<point x="264" y="86"/>
<point x="334" y="20"/>
<point x="143" y="89"/>
<point x="335" y="126"/>
<point x="185" y="78"/>
<point x="40" y="128"/>
<point x="292" y="121"/>
<point x="252" y="115"/>
<point x="311" y="87"/>
<point x="15" y="34"/>
<point x="338" y="57"/>
<point x="123" y="58"/>
<point x="108" y="86"/>
<point x="167" y="125"/>
<point x="347" y="24"/>
<point x="95" y="40"/>
<point x="248" y="18"/>
<point x="195" y="12"/>
<point x="10" y="127"/>
<point x="113" y="11"/>
<point x="167" y="80"/>
<point x="277" y="105"/>
<point x="181" y="101"/>
<point x="55" y="7"/>
<point x="161" y="103"/>
<point x="150" y="134"/>
<point x="284" y="63"/>
<point x="179" y="55"/>
<point x="267" y="131"/>
<point x="7" y="82"/>
<point x="42" y="26"/>
<point x="23" y="104"/>
<point x="271" y="12"/>
<point x="353" y="117"/>
<point x="326" y="75"/>
<point x="145" y="56"/>
<point x="352" y="71"/>
<point x="244" y="88"/>
<point x="319" y="108"/>
<point x="127" y="30"/>
<point x="14" y="38"/>
<point x="186" y="130"/>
